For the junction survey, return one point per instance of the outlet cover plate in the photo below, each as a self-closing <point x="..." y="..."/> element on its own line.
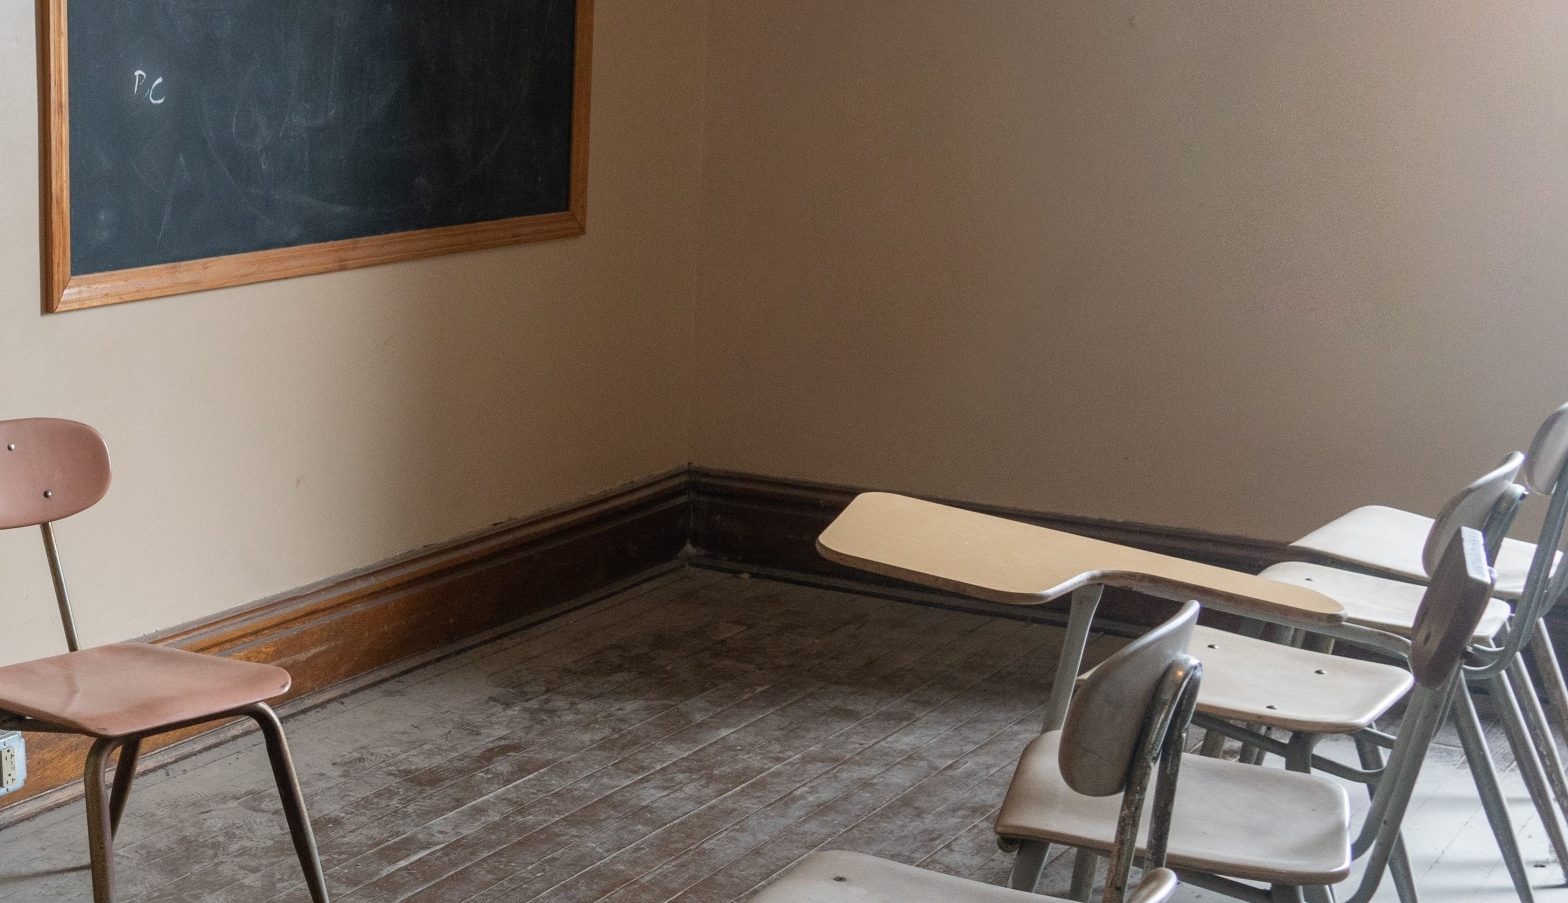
<point x="13" y="762"/>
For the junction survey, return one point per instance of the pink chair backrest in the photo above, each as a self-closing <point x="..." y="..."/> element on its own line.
<point x="49" y="469"/>
<point x="1548" y="453"/>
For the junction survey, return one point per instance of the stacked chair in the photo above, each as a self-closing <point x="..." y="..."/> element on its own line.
<point x="1380" y="540"/>
<point x="1255" y="687"/>
<point x="1270" y="834"/>
<point x="1234" y="826"/>
<point x="1256" y="833"/>
<point x="121" y="694"/>
<point x="1310" y="695"/>
<point x="1127" y="721"/>
<point x="1251" y="682"/>
<point x="1388" y="541"/>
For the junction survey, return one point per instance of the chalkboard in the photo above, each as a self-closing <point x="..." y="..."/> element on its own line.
<point x="202" y="143"/>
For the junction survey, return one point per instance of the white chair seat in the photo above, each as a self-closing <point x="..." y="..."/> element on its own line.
<point x="1244" y="821"/>
<point x="1377" y="601"/>
<point x="836" y="876"/>
<point x="1255" y="680"/>
<point x="1390" y="540"/>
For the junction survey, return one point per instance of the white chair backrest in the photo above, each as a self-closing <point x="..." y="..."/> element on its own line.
<point x="1547" y="582"/>
<point x="1111" y="708"/>
<point x="1543" y="468"/>
<point x="1475" y="506"/>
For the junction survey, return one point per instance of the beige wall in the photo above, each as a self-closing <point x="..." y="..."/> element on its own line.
<point x="271" y="436"/>
<point x="1226" y="266"/>
<point x="1229" y="266"/>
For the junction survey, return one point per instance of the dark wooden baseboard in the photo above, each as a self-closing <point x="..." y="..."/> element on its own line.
<point x="770" y="525"/>
<point x="749" y="515"/>
<point x="396" y="611"/>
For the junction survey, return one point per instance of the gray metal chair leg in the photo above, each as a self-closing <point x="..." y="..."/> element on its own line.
<point x="1298" y="755"/>
<point x="293" y="801"/>
<point x="1080" y="617"/>
<point x="1544" y="654"/>
<point x="1508" y="711"/>
<point x="1399" y="870"/>
<point x="1028" y="864"/>
<point x="1479" y="757"/>
<point x="1540" y="731"/>
<point x="1317" y="642"/>
<point x="1213" y="745"/>
<point x="100" y="834"/>
<point x="1251" y="754"/>
<point x="124" y="774"/>
<point x="1086" y="863"/>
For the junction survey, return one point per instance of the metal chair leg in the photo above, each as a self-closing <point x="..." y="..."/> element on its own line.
<point x="1028" y="864"/>
<point x="1544" y="654"/>
<point x="1086" y="863"/>
<point x="1473" y="740"/>
<point x="124" y="774"/>
<point x="1251" y="754"/>
<point x="1317" y="642"/>
<point x="1213" y="745"/>
<point x="293" y="800"/>
<point x="100" y="833"/>
<point x="1530" y="769"/>
<point x="1080" y="617"/>
<point x="1540" y="732"/>
<point x="1399" y="870"/>
<point x="1298" y="755"/>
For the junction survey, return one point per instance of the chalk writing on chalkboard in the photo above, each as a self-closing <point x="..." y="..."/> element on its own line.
<point x="199" y="143"/>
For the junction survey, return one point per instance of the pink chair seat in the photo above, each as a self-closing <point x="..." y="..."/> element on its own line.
<point x="133" y="688"/>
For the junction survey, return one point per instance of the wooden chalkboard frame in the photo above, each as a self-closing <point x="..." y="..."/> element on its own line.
<point x="66" y="291"/>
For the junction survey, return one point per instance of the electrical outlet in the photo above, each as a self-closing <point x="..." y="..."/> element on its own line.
<point x="13" y="762"/>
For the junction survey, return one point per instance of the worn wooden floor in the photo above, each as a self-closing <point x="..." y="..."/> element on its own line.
<point x="681" y="741"/>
